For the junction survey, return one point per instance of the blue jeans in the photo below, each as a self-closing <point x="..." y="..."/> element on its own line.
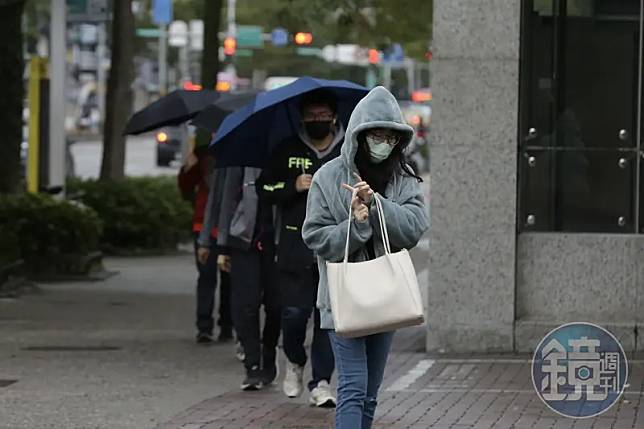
<point x="361" y="366"/>
<point x="294" y="321"/>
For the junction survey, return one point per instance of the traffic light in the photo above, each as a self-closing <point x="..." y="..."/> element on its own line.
<point x="302" y="38"/>
<point x="374" y="56"/>
<point x="230" y="46"/>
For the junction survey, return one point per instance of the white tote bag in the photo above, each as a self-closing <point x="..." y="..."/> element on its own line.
<point x="374" y="296"/>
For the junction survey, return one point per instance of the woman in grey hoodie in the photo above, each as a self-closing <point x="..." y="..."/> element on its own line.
<point x="371" y="161"/>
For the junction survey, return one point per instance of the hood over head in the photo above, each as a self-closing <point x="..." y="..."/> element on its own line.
<point x="378" y="109"/>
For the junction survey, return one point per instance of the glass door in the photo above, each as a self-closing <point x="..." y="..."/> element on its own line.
<point x="580" y="116"/>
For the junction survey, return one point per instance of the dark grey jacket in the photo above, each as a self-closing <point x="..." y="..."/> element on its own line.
<point x="232" y="207"/>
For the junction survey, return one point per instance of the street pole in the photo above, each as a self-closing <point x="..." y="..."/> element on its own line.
<point x="232" y="25"/>
<point x="232" y="32"/>
<point x="100" y="72"/>
<point x="386" y="78"/>
<point x="57" y="104"/>
<point x="163" y="59"/>
<point x="411" y="76"/>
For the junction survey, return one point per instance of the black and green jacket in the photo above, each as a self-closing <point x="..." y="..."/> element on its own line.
<point x="276" y="185"/>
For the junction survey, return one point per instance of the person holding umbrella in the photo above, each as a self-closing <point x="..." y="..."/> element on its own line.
<point x="194" y="179"/>
<point x="244" y="142"/>
<point x="285" y="183"/>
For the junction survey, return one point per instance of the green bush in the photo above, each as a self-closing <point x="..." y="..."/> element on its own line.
<point x="142" y="213"/>
<point x="9" y="245"/>
<point x="42" y="227"/>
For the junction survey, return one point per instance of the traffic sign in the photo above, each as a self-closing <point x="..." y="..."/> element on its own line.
<point x="249" y="36"/>
<point x="309" y="52"/>
<point x="178" y="34"/>
<point x="147" y="32"/>
<point x="394" y="54"/>
<point x="88" y="10"/>
<point x="279" y="37"/>
<point x="162" y="12"/>
<point x="196" y="35"/>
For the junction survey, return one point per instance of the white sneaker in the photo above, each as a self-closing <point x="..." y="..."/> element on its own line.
<point x="321" y="395"/>
<point x="293" y="384"/>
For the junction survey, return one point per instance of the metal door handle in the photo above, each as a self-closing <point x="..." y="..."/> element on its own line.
<point x="623" y="135"/>
<point x="532" y="133"/>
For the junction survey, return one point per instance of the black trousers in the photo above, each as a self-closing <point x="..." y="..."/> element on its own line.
<point x="206" y="288"/>
<point x="253" y="284"/>
<point x="299" y="292"/>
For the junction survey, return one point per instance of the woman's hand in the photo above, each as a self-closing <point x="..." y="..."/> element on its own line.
<point x="360" y="210"/>
<point x="358" y="207"/>
<point x="365" y="193"/>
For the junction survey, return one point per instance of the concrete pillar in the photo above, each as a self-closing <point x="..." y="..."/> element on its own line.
<point x="474" y="175"/>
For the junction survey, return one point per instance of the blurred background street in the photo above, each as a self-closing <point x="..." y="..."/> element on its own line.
<point x="130" y="129"/>
<point x="140" y="158"/>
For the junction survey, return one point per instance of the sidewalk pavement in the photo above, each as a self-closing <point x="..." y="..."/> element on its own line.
<point x="120" y="354"/>
<point x="423" y="391"/>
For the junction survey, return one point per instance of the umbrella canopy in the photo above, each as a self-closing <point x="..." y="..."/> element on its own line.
<point x="212" y="116"/>
<point x="173" y="109"/>
<point x="248" y="136"/>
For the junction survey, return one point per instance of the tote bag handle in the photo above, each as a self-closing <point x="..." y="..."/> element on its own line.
<point x="381" y="221"/>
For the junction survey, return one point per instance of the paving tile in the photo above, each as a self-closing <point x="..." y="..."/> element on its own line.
<point x="453" y="393"/>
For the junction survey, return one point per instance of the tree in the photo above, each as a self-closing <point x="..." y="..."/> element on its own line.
<point x="374" y="23"/>
<point x="118" y="99"/>
<point x="11" y="93"/>
<point x="210" y="56"/>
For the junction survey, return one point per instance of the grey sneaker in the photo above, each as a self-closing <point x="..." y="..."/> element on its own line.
<point x="204" y="338"/>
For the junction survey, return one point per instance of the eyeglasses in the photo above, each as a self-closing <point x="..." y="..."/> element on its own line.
<point x="384" y="137"/>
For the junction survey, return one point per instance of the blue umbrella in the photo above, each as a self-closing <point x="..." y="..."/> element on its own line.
<point x="248" y="136"/>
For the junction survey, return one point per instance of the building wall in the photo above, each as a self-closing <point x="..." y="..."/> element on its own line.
<point x="491" y="290"/>
<point x="474" y="170"/>
<point x="564" y="278"/>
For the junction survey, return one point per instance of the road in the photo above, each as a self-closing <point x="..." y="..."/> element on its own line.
<point x="140" y="158"/>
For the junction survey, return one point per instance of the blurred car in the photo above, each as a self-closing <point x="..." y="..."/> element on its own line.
<point x="169" y="142"/>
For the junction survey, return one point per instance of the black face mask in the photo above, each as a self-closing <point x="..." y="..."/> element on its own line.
<point x="318" y="129"/>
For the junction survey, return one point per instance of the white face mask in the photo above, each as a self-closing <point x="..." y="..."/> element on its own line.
<point x="378" y="150"/>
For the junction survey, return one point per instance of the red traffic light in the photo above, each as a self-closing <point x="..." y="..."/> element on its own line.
<point x="374" y="56"/>
<point x="303" y="38"/>
<point x="189" y="86"/>
<point x="230" y="46"/>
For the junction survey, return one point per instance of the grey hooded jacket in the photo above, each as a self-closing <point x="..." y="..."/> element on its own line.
<point x="327" y="211"/>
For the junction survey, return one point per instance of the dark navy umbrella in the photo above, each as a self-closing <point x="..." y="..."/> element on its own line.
<point x="212" y="116"/>
<point x="172" y="109"/>
<point x="248" y="136"/>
